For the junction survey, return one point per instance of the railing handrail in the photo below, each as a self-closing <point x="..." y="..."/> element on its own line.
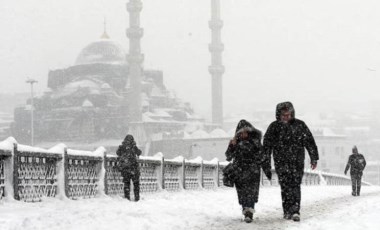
<point x="77" y="173"/>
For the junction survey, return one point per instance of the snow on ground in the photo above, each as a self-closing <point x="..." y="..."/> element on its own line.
<point x="323" y="207"/>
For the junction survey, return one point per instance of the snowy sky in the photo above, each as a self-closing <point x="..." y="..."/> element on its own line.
<point x="320" y="51"/>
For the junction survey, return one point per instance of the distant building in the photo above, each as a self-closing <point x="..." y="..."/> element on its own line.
<point x="89" y="101"/>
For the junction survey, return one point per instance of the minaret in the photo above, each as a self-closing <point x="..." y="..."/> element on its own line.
<point x="135" y="59"/>
<point x="216" y="69"/>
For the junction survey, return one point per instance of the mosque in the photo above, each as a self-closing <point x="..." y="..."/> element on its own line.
<point x="108" y="93"/>
<point x="89" y="100"/>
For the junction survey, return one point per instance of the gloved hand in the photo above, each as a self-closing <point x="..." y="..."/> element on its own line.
<point x="313" y="165"/>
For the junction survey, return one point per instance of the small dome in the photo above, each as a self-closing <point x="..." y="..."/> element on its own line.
<point x="87" y="103"/>
<point x="105" y="86"/>
<point x="200" y="134"/>
<point x="218" y="133"/>
<point x="103" y="51"/>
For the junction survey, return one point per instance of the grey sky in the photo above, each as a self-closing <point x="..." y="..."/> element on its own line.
<point x="318" y="51"/>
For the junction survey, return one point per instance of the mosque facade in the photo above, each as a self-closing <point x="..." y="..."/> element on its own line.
<point x="90" y="100"/>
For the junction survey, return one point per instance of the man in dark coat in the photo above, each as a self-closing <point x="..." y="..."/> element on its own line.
<point x="245" y="150"/>
<point x="129" y="167"/>
<point x="287" y="138"/>
<point x="357" y="163"/>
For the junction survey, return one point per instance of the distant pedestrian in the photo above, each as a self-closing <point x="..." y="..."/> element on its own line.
<point x="287" y="138"/>
<point x="128" y="165"/>
<point x="245" y="152"/>
<point x="357" y="163"/>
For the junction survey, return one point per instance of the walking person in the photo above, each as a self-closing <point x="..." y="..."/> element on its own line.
<point x="245" y="152"/>
<point x="128" y="165"/>
<point x="287" y="138"/>
<point x="357" y="163"/>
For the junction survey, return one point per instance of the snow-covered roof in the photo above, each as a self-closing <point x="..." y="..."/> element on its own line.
<point x="161" y="113"/>
<point x="218" y="133"/>
<point x="147" y="118"/>
<point x="105" y="86"/>
<point x="87" y="103"/>
<point x="199" y="134"/>
<point x="193" y="116"/>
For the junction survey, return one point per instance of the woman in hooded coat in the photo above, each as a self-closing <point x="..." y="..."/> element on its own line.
<point x="245" y="152"/>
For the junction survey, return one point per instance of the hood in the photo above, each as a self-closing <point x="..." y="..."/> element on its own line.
<point x="252" y="131"/>
<point x="285" y="105"/>
<point x="128" y="140"/>
<point x="355" y="150"/>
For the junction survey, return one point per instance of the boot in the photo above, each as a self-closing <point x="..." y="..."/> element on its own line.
<point x="248" y="214"/>
<point x="296" y="217"/>
<point x="287" y="216"/>
<point x="127" y="194"/>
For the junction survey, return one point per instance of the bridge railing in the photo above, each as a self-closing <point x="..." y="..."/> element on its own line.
<point x="314" y="178"/>
<point x="30" y="174"/>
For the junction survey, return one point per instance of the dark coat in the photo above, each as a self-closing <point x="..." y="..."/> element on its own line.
<point x="247" y="159"/>
<point x="357" y="164"/>
<point x="288" y="141"/>
<point x="128" y="154"/>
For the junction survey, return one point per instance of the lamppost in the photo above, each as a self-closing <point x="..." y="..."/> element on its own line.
<point x="31" y="82"/>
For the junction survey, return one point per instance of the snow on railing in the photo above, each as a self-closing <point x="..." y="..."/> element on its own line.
<point x="31" y="173"/>
<point x="314" y="178"/>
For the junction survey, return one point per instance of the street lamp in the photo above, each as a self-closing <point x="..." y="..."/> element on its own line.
<point x="31" y="82"/>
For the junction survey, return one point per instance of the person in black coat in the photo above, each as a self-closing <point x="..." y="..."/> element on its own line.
<point x="128" y="165"/>
<point x="244" y="150"/>
<point x="357" y="163"/>
<point x="287" y="138"/>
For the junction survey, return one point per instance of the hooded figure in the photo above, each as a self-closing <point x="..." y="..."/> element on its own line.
<point x="287" y="138"/>
<point x="128" y="165"/>
<point x="357" y="163"/>
<point x="245" y="152"/>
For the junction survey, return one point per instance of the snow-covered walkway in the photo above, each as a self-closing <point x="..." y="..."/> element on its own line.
<point x="323" y="207"/>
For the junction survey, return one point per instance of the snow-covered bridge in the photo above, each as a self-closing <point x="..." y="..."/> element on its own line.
<point x="323" y="207"/>
<point x="176" y="194"/>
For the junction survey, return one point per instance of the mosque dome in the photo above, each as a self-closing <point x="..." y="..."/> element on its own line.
<point x="104" y="50"/>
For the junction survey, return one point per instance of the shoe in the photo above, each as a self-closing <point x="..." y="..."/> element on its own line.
<point x="287" y="216"/>
<point x="248" y="214"/>
<point x="296" y="217"/>
<point x="354" y="194"/>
